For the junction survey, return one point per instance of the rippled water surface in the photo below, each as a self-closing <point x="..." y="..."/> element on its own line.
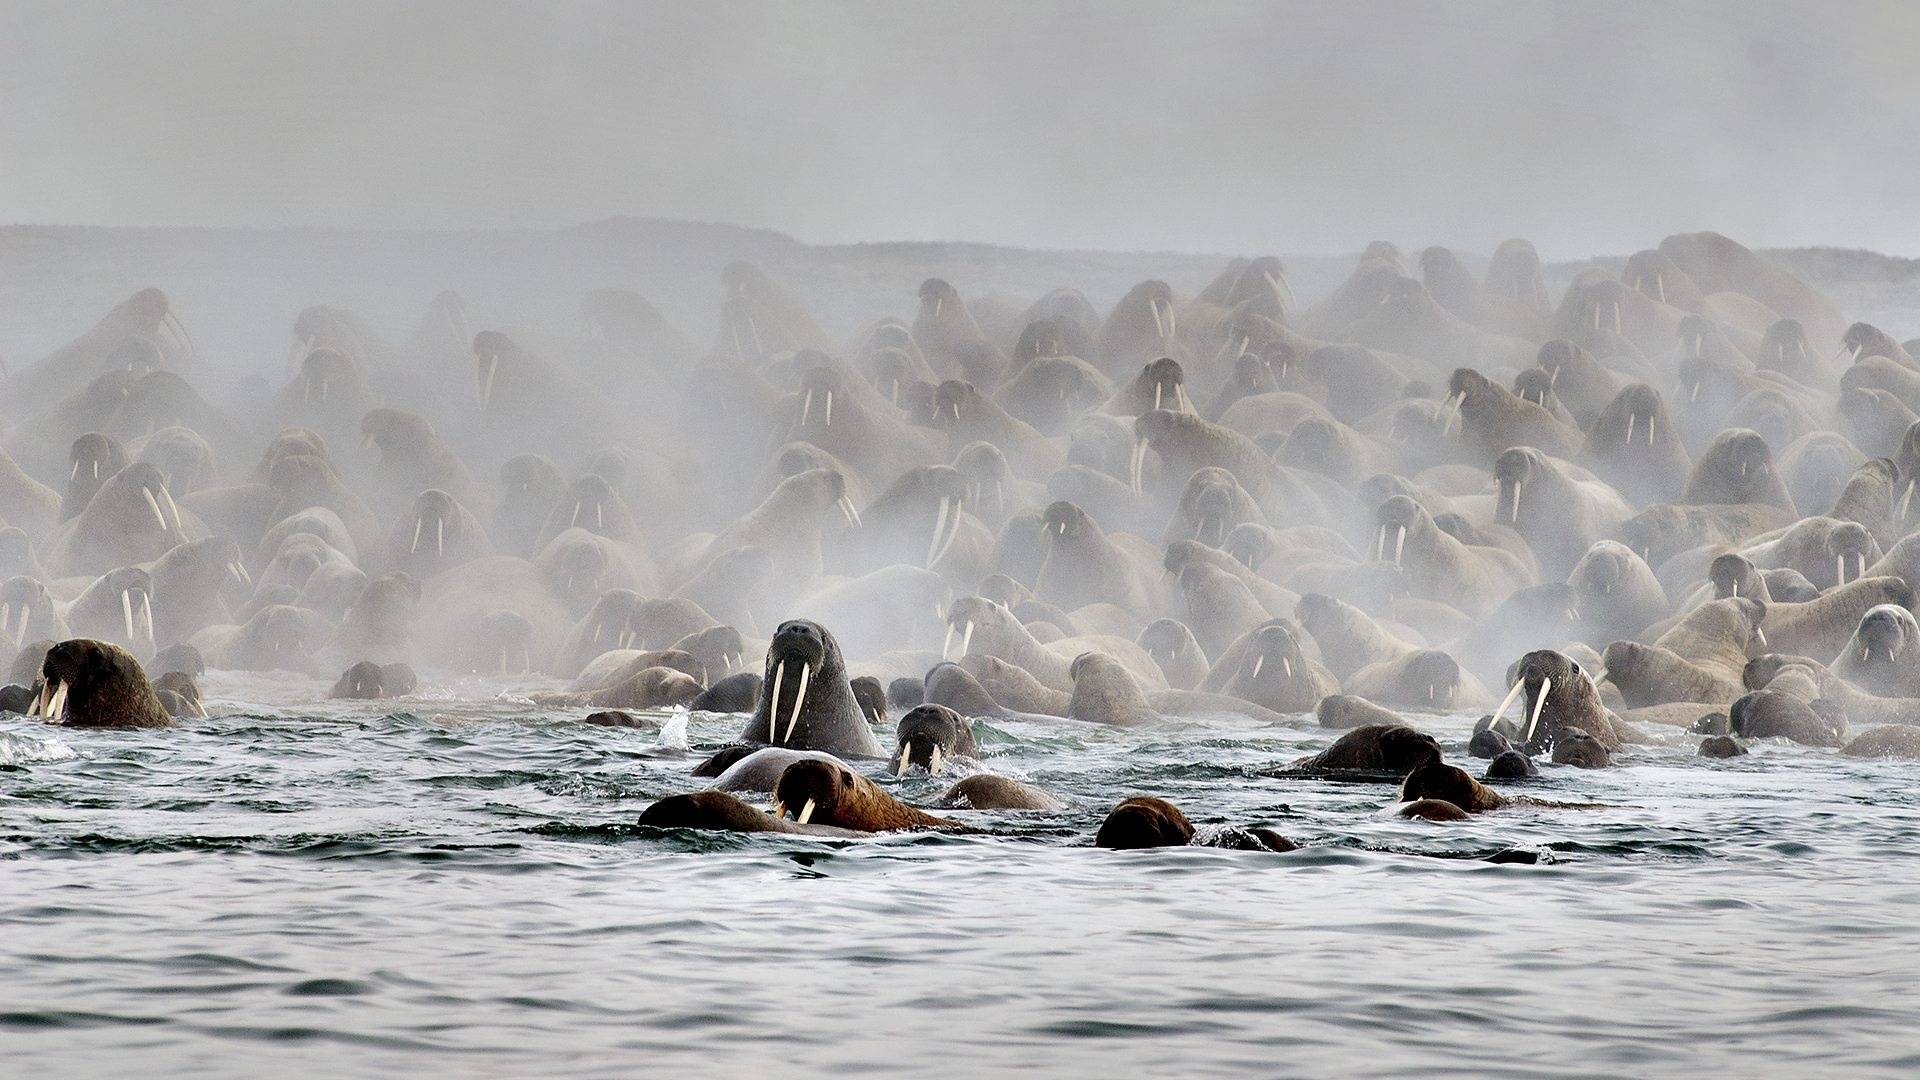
<point x="458" y="888"/>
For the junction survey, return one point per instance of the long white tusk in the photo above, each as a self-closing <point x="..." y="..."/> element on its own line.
<point x="1631" y="418"/>
<point x="417" y="523"/>
<point x="1258" y="663"/>
<point x="966" y="639"/>
<point x="1156" y="396"/>
<point x="57" y="708"/>
<point x="799" y="700"/>
<point x="773" y="704"/>
<point x="440" y="537"/>
<point x="154" y="505"/>
<point x="486" y="386"/>
<point x="73" y="472"/>
<point x="126" y="610"/>
<point x="1507" y="702"/>
<point x="805" y="814"/>
<point x="946" y="647"/>
<point x="900" y="766"/>
<point x="1399" y="545"/>
<point x="847" y="510"/>
<point x="1516" y="502"/>
<point x="939" y="529"/>
<point x="806" y="408"/>
<point x="933" y="762"/>
<point x="1158" y="325"/>
<point x="828" y="422"/>
<point x="1840" y="569"/>
<point x="1539" y="703"/>
<point x="575" y="519"/>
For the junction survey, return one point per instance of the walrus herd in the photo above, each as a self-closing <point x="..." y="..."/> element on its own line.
<point x="1677" y="497"/>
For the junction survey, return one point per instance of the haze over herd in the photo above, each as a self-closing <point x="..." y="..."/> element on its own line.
<point x="1671" y="495"/>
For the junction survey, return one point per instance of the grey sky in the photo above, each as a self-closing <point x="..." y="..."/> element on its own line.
<point x="1218" y="127"/>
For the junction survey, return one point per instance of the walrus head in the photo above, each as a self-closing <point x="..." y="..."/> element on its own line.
<point x="1065" y="520"/>
<point x="1885" y="632"/>
<point x="929" y="736"/>
<point x="363" y="680"/>
<point x="1166" y="640"/>
<point x="400" y="436"/>
<point x="1144" y="822"/>
<point x="1274" y="655"/>
<point x="1545" y="676"/>
<point x="531" y="475"/>
<point x="1784" y="347"/>
<point x="970" y="613"/>
<point x="495" y="353"/>
<point x="813" y="788"/>
<point x="1435" y="779"/>
<point x="505" y="638"/>
<point x="984" y="468"/>
<point x="1398" y="517"/>
<point x="1431" y="673"/>
<point x="436" y="515"/>
<point x="1168" y="381"/>
<point x="1535" y="385"/>
<point x="27" y="611"/>
<point x="1864" y="339"/>
<point x="88" y="683"/>
<point x="1851" y="545"/>
<point x="937" y="298"/>
<point x="953" y="400"/>
<point x="800" y="652"/>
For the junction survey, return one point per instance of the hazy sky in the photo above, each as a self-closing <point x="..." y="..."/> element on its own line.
<point x="1303" y="128"/>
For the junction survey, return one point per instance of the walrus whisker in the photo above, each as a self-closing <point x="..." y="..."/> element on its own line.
<point x="799" y="700"/>
<point x="773" y="704"/>
<point x="1539" y="703"/>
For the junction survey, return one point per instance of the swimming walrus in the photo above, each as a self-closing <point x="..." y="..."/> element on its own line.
<point x="836" y="795"/>
<point x="986" y="791"/>
<point x="718" y="810"/>
<point x="92" y="684"/>
<point x="809" y="704"/>
<point x="930" y="736"/>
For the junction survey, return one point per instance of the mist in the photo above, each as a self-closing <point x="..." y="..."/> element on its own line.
<point x="1225" y="127"/>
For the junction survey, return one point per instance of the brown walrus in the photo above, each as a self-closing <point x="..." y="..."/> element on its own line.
<point x="1371" y="748"/>
<point x="986" y="791"/>
<point x="1143" y="821"/>
<point x="836" y="795"/>
<point x="929" y="736"/>
<point x="721" y="811"/>
<point x="92" y="684"/>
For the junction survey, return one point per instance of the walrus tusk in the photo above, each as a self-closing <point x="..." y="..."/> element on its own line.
<point x="828" y="421"/>
<point x="73" y="472"/>
<point x="417" y="523"/>
<point x="933" y="762"/>
<point x="1158" y="325"/>
<point x="853" y="515"/>
<point x="1507" y="702"/>
<point x="1180" y="398"/>
<point x="1137" y="467"/>
<point x="599" y="517"/>
<point x="1157" y="387"/>
<point x="240" y="572"/>
<point x="806" y="408"/>
<point x="753" y="328"/>
<point x="57" y="707"/>
<point x="939" y="528"/>
<point x="1451" y="411"/>
<point x="172" y="322"/>
<point x="1762" y="636"/>
<point x="1399" y="545"/>
<point x="799" y="701"/>
<point x="900" y="766"/>
<point x="806" y="813"/>
<point x="126" y="610"/>
<point x="966" y="640"/>
<point x="1380" y="544"/>
<point x="1631" y="419"/>
<point x="1514" y="511"/>
<point x="173" y="510"/>
<point x="486" y="385"/>
<point x="1906" y="501"/>
<point x="946" y="647"/>
<point x="773" y="705"/>
<point x="575" y="520"/>
<point x="154" y="505"/>
<point x="779" y="810"/>
<point x="1287" y="663"/>
<point x="1258" y="663"/>
<point x="1694" y="394"/>
<point x="1539" y="703"/>
<point x="1840" y="569"/>
<point x="440" y="537"/>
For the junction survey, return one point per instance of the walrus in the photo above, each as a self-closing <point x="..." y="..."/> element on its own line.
<point x="929" y="736"/>
<point x="1886" y="741"/>
<point x="1514" y="765"/>
<point x="1771" y="714"/>
<point x="1579" y="749"/>
<point x="1172" y="646"/>
<point x="93" y="684"/>
<point x="1426" y="679"/>
<point x="1823" y="626"/>
<point x="1724" y="746"/>
<point x="1881" y="658"/>
<point x="1559" y="699"/>
<point x="1737" y="467"/>
<point x="1342" y="711"/>
<point x="820" y="711"/>
<point x="1083" y="565"/>
<point x="986" y="791"/>
<point x="838" y="796"/>
<point x="717" y="810"/>
<point x="1492" y="419"/>
<point x="1371" y="749"/>
<point x="736" y="693"/>
<point x="1271" y="670"/>
<point x="1652" y="675"/>
<point x="1431" y="778"/>
<point x="364" y="680"/>
<point x="1560" y="516"/>
<point x="746" y="768"/>
<point x="179" y="695"/>
<point x="1439" y="567"/>
<point x="1146" y="822"/>
<point x="649" y="688"/>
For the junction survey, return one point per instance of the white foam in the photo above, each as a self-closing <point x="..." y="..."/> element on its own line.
<point x="673" y="733"/>
<point x="18" y="749"/>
